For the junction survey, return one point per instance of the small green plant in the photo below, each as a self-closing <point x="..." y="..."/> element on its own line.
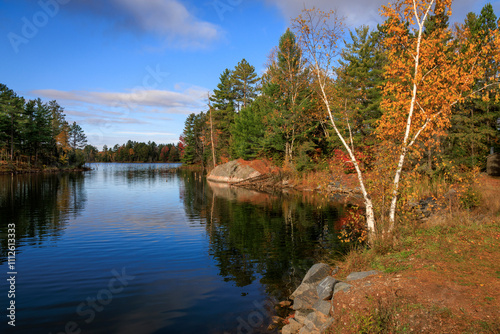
<point x="470" y="198"/>
<point x="403" y="254"/>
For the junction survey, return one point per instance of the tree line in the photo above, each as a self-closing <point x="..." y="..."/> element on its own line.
<point x="282" y="115"/>
<point x="134" y="151"/>
<point x="37" y="133"/>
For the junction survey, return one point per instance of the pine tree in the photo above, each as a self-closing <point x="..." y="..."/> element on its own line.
<point x="90" y="152"/>
<point x="244" y="80"/>
<point x="37" y="129"/>
<point x="359" y="84"/>
<point x="286" y="86"/>
<point x="77" y="138"/>
<point x="438" y="20"/>
<point x="222" y="104"/>
<point x="193" y="139"/>
<point x="11" y="108"/>
<point x="249" y="129"/>
<point x="60" y="128"/>
<point x="475" y="126"/>
<point x="223" y="96"/>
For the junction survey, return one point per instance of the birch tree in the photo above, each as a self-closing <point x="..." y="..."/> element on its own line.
<point x="427" y="73"/>
<point x="319" y="33"/>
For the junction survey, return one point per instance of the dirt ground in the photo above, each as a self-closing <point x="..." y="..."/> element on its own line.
<point x="421" y="300"/>
<point x="445" y="279"/>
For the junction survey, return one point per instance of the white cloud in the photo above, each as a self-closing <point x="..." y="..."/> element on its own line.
<point x="363" y="12"/>
<point x="163" y="101"/>
<point x="170" y="20"/>
<point x="145" y="133"/>
<point x="356" y="12"/>
<point x="104" y="122"/>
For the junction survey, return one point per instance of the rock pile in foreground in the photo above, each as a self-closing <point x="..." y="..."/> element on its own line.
<point x="312" y="300"/>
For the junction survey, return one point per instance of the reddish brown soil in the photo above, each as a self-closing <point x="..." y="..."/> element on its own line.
<point x="421" y="300"/>
<point x="444" y="279"/>
<point x="262" y="166"/>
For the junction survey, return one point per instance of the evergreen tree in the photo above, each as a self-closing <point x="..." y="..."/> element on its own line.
<point x="286" y="86"/>
<point x="222" y="114"/>
<point x="438" y="20"/>
<point x="359" y="84"/>
<point x="223" y="96"/>
<point x="249" y="129"/>
<point x="90" y="152"/>
<point x="193" y="137"/>
<point x="38" y="128"/>
<point x="11" y="109"/>
<point x="77" y="138"/>
<point x="60" y="128"/>
<point x="244" y="80"/>
<point x="475" y="126"/>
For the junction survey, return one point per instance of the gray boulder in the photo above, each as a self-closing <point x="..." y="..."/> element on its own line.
<point x="317" y="273"/>
<point x="314" y="322"/>
<point x="293" y="327"/>
<point x="301" y="315"/>
<point x="325" y="288"/>
<point x="341" y="286"/>
<point x="323" y="306"/>
<point x="360" y="275"/>
<point x="232" y="172"/>
<point x="304" y="296"/>
<point x="304" y="287"/>
<point x="305" y="300"/>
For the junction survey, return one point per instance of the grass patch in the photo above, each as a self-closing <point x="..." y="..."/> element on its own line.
<point x="458" y="251"/>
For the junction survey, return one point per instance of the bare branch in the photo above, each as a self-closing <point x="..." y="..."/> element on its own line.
<point x="421" y="109"/>
<point x="474" y="92"/>
<point x="428" y="72"/>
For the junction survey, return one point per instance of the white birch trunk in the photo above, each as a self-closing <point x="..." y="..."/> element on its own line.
<point x="370" y="216"/>
<point x="405" y="145"/>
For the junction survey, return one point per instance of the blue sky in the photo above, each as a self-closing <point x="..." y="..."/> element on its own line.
<point x="132" y="69"/>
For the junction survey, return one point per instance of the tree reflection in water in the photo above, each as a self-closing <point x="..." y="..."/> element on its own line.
<point x="253" y="235"/>
<point x="40" y="205"/>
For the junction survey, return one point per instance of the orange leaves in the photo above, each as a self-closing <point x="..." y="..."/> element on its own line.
<point x="426" y="71"/>
<point x="62" y="141"/>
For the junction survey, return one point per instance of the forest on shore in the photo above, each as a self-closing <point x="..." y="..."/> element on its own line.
<point x="35" y="134"/>
<point x="412" y="108"/>
<point x="281" y="116"/>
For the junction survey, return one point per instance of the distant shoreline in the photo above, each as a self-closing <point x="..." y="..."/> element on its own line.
<point x="24" y="169"/>
<point x="5" y="170"/>
<point x="131" y="162"/>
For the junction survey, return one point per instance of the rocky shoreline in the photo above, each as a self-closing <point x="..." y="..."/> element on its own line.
<point x="262" y="176"/>
<point x="313" y="299"/>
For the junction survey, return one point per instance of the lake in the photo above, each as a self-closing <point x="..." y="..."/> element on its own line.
<point x="145" y="248"/>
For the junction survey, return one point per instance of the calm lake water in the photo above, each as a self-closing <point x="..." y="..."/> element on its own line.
<point x="141" y="248"/>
